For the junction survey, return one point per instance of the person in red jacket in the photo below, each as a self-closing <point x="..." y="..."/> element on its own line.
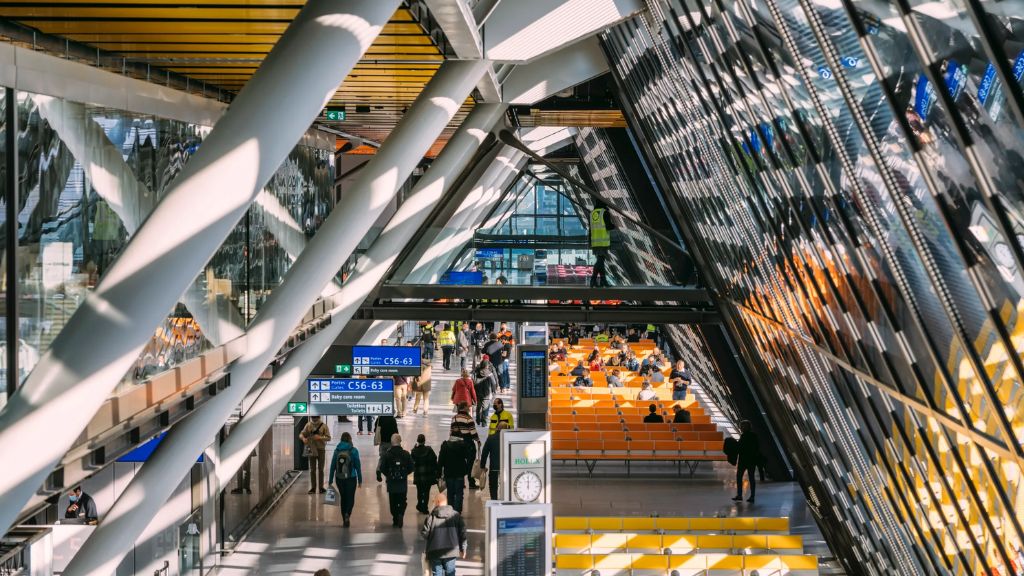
<point x="463" y="390"/>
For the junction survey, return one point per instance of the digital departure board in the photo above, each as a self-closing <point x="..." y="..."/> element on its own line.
<point x="351" y="396"/>
<point x="521" y="546"/>
<point x="533" y="369"/>
<point x="385" y="361"/>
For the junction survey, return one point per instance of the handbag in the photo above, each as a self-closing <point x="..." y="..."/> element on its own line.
<point x="479" y="474"/>
<point x="331" y="496"/>
<point x="307" y="451"/>
<point x="376" y="437"/>
<point x="441" y="485"/>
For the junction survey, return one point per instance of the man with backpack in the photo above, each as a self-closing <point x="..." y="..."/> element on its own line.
<point x="424" y="473"/>
<point x="445" y="533"/>
<point x="315" y="435"/>
<point x="347" y="474"/>
<point x="397" y="466"/>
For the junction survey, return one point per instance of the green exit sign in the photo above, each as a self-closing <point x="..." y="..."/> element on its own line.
<point x="342" y="368"/>
<point x="297" y="408"/>
<point x="336" y="114"/>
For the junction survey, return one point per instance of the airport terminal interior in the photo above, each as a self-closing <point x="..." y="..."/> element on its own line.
<point x="512" y="287"/>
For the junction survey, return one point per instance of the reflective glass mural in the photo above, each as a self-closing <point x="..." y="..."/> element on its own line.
<point x="87" y="179"/>
<point x="849" y="178"/>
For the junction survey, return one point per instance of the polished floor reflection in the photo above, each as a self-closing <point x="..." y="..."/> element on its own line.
<point x="303" y="534"/>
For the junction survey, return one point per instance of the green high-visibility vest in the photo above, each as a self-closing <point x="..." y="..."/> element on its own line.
<point x="599" y="237"/>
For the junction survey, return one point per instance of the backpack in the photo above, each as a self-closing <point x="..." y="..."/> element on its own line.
<point x="396" y="471"/>
<point x="731" y="447"/>
<point x="343" y="465"/>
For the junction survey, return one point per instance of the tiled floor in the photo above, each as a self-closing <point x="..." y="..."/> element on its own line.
<point x="303" y="534"/>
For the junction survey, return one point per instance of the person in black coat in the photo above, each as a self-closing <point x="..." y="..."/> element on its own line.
<point x="453" y="464"/>
<point x="747" y="461"/>
<point x="397" y="466"/>
<point x="424" y="474"/>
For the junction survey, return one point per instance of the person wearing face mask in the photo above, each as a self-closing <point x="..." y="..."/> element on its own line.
<point x="500" y="415"/>
<point x="81" y="507"/>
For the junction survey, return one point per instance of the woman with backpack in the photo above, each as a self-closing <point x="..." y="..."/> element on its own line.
<point x="463" y="390"/>
<point x="424" y="472"/>
<point x="348" y="471"/>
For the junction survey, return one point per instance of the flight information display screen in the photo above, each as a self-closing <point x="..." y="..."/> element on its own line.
<point x="533" y="369"/>
<point x="351" y="396"/>
<point x="385" y="361"/>
<point x="521" y="543"/>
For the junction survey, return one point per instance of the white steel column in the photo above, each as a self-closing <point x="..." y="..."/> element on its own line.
<point x="421" y="273"/>
<point x="437" y="259"/>
<point x="377" y="331"/>
<point x="350" y="220"/>
<point x="372" y="267"/>
<point x="104" y="337"/>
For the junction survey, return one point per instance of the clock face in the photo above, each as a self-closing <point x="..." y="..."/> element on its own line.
<point x="527" y="487"/>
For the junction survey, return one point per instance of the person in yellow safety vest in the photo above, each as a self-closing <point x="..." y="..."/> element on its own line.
<point x="600" y="242"/>
<point x="447" y="341"/>
<point x="499" y="415"/>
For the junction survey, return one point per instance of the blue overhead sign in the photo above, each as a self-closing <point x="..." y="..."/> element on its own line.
<point x="385" y="360"/>
<point x="454" y="278"/>
<point x="489" y="253"/>
<point x="351" y="396"/>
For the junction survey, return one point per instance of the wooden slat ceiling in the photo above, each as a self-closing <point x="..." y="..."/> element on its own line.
<point x="223" y="42"/>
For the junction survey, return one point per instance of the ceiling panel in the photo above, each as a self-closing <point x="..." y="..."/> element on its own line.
<point x="223" y="42"/>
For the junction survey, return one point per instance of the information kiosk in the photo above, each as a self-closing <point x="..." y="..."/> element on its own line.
<point x="526" y="466"/>
<point x="518" y="539"/>
<point x="532" y="392"/>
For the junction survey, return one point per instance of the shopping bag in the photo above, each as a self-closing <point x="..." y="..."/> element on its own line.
<point x="307" y="451"/>
<point x="480" y="474"/>
<point x="376" y="437"/>
<point x="330" y="497"/>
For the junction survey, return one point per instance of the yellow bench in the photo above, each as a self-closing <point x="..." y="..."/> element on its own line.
<point x="734" y="525"/>
<point x="686" y="564"/>
<point x="626" y="542"/>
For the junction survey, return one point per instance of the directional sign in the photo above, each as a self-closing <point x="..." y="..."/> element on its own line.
<point x="335" y="114"/>
<point x="345" y="369"/>
<point x="386" y="360"/>
<point x="297" y="408"/>
<point x="351" y="396"/>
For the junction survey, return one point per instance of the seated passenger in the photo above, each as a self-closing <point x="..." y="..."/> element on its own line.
<point x="583" y="380"/>
<point x="657" y="377"/>
<point x="653" y="417"/>
<point x="646" y="392"/>
<point x="614" y="361"/>
<point x="578" y="370"/>
<point x="632" y="363"/>
<point x="595" y="354"/>
<point x="682" y="415"/>
<point x="614" y="380"/>
<point x="597" y="365"/>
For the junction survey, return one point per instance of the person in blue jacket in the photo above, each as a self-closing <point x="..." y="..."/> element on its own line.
<point x="348" y="470"/>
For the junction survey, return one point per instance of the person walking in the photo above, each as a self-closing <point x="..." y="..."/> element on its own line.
<point x="749" y="455"/>
<point x="500" y="416"/>
<point x="386" y="427"/>
<point x="600" y="243"/>
<point x="401" y="395"/>
<point x="463" y="391"/>
<point x="368" y="420"/>
<point x="464" y="345"/>
<point x="397" y="467"/>
<point x="453" y="466"/>
<point x="464" y="426"/>
<point x="427" y="340"/>
<point x="447" y="341"/>
<point x="445" y="535"/>
<point x="492" y="453"/>
<point x="315" y="435"/>
<point x="421" y="389"/>
<point x="484" y="387"/>
<point x="346" y="474"/>
<point x="424" y="473"/>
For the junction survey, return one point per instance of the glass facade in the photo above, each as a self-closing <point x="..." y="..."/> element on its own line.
<point x="849" y="177"/>
<point x="87" y="177"/>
